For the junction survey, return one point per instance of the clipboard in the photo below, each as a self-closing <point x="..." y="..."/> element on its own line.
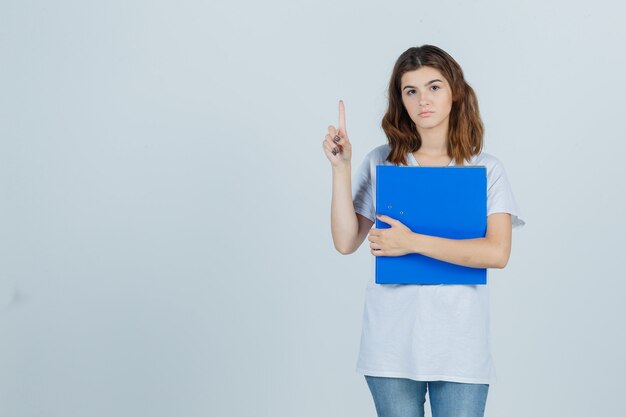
<point x="448" y="202"/>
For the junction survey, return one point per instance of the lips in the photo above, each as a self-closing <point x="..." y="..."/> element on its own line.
<point x="425" y="113"/>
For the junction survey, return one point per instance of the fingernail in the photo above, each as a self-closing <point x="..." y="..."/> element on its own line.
<point x="337" y="139"/>
<point x="335" y="151"/>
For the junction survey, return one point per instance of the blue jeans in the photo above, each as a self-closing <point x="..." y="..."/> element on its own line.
<point x="401" y="397"/>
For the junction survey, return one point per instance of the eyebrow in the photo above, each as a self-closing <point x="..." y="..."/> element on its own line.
<point x="425" y="85"/>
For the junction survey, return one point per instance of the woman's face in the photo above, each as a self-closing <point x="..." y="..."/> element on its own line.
<point x="427" y="98"/>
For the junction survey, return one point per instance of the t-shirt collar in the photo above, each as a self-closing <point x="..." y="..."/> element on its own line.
<point x="411" y="158"/>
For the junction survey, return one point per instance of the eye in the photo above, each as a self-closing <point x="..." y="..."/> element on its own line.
<point x="409" y="92"/>
<point x="435" y="86"/>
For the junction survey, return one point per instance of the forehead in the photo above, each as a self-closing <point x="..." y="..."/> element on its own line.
<point x="421" y="76"/>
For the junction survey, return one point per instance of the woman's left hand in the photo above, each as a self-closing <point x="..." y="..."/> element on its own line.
<point x="395" y="241"/>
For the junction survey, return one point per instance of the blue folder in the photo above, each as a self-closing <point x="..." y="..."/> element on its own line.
<point x="448" y="202"/>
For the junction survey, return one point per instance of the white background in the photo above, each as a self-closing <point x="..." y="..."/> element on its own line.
<point x="165" y="245"/>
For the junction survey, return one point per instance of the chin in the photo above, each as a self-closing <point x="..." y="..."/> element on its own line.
<point x="428" y="125"/>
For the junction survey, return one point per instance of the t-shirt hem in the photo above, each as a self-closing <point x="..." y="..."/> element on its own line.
<point x="518" y="221"/>
<point x="365" y="213"/>
<point x="420" y="377"/>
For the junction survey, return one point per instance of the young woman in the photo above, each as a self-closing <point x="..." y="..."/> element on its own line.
<point x="419" y="338"/>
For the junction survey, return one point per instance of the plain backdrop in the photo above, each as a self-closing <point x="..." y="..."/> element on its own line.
<point x="165" y="245"/>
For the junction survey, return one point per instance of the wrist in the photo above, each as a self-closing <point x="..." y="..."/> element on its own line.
<point x="417" y="243"/>
<point x="343" y="167"/>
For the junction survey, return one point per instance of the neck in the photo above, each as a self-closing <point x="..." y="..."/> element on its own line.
<point x="434" y="142"/>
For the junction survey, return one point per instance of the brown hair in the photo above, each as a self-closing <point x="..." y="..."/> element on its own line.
<point x="465" y="129"/>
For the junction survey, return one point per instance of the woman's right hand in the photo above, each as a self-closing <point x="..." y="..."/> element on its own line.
<point x="336" y="144"/>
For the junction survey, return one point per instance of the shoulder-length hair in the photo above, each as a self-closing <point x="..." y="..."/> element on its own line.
<point x="465" y="129"/>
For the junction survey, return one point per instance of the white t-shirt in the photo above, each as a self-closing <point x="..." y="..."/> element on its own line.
<point x="428" y="332"/>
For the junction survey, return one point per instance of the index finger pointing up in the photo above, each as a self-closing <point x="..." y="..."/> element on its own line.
<point x="342" y="117"/>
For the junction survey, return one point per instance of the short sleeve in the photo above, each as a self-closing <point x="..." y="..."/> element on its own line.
<point x="362" y="194"/>
<point x="500" y="197"/>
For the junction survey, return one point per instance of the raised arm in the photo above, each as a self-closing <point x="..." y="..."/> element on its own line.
<point x="348" y="229"/>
